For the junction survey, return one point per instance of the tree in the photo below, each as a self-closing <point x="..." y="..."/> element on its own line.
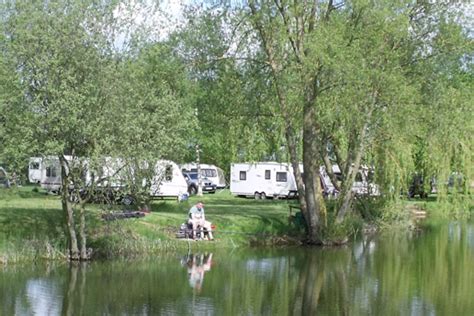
<point x="342" y="74"/>
<point x="79" y="97"/>
<point x="232" y="97"/>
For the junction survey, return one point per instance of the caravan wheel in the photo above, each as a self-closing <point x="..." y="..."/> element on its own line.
<point x="257" y="196"/>
<point x="263" y="196"/>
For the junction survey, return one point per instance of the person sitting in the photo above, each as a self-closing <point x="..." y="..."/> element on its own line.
<point x="198" y="220"/>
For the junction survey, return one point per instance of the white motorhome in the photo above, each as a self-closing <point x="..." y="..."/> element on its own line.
<point x="34" y="169"/>
<point x="211" y="172"/>
<point x="262" y="180"/>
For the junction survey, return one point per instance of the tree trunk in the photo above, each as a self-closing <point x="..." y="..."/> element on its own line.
<point x="348" y="194"/>
<point x="298" y="176"/>
<point x="68" y="300"/>
<point x="82" y="232"/>
<point x="68" y="209"/>
<point x="311" y="174"/>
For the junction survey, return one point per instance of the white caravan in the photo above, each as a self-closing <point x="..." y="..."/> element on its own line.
<point x="34" y="169"/>
<point x="168" y="181"/>
<point x="212" y="173"/>
<point x="361" y="186"/>
<point x="273" y="179"/>
<point x="263" y="179"/>
<point x="50" y="170"/>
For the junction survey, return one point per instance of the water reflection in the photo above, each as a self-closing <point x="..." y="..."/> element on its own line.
<point x="427" y="274"/>
<point x="74" y="297"/>
<point x="38" y="298"/>
<point x="197" y="265"/>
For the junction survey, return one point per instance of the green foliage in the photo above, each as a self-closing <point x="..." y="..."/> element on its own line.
<point x="333" y="233"/>
<point x="235" y="111"/>
<point x="391" y="81"/>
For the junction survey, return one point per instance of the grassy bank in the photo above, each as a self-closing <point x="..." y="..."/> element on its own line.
<point x="32" y="225"/>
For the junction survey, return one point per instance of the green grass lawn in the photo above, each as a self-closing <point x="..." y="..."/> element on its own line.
<point x="32" y="224"/>
<point x="29" y="217"/>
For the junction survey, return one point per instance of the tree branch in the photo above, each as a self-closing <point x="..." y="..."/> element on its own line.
<point x="288" y="30"/>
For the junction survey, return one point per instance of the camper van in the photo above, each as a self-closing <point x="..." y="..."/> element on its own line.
<point x="212" y="173"/>
<point x="262" y="180"/>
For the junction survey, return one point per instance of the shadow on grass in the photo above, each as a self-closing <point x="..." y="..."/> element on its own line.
<point x="37" y="223"/>
<point x="27" y="223"/>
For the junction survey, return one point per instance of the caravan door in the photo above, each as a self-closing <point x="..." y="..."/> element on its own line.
<point x="51" y="174"/>
<point x="34" y="170"/>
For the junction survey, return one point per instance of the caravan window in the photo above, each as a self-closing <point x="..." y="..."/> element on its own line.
<point x="281" y="177"/>
<point x="359" y="177"/>
<point x="34" y="165"/>
<point x="169" y="173"/>
<point x="370" y="176"/>
<point x="51" y="172"/>
<point x="243" y="175"/>
<point x="267" y="174"/>
<point x="209" y="173"/>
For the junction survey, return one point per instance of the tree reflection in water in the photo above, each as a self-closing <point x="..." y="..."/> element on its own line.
<point x="427" y="274"/>
<point x="74" y="297"/>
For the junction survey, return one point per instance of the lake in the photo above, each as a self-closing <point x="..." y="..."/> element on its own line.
<point x="430" y="272"/>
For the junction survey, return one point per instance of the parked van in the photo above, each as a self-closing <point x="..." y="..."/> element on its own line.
<point x="211" y="172"/>
<point x="263" y="179"/>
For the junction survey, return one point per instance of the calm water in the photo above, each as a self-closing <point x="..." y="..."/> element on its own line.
<point x="431" y="273"/>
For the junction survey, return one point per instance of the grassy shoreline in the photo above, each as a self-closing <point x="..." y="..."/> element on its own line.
<point x="32" y="225"/>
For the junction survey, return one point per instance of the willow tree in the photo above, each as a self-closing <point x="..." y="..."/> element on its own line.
<point x="283" y="30"/>
<point x="343" y="75"/>
<point x="445" y="125"/>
